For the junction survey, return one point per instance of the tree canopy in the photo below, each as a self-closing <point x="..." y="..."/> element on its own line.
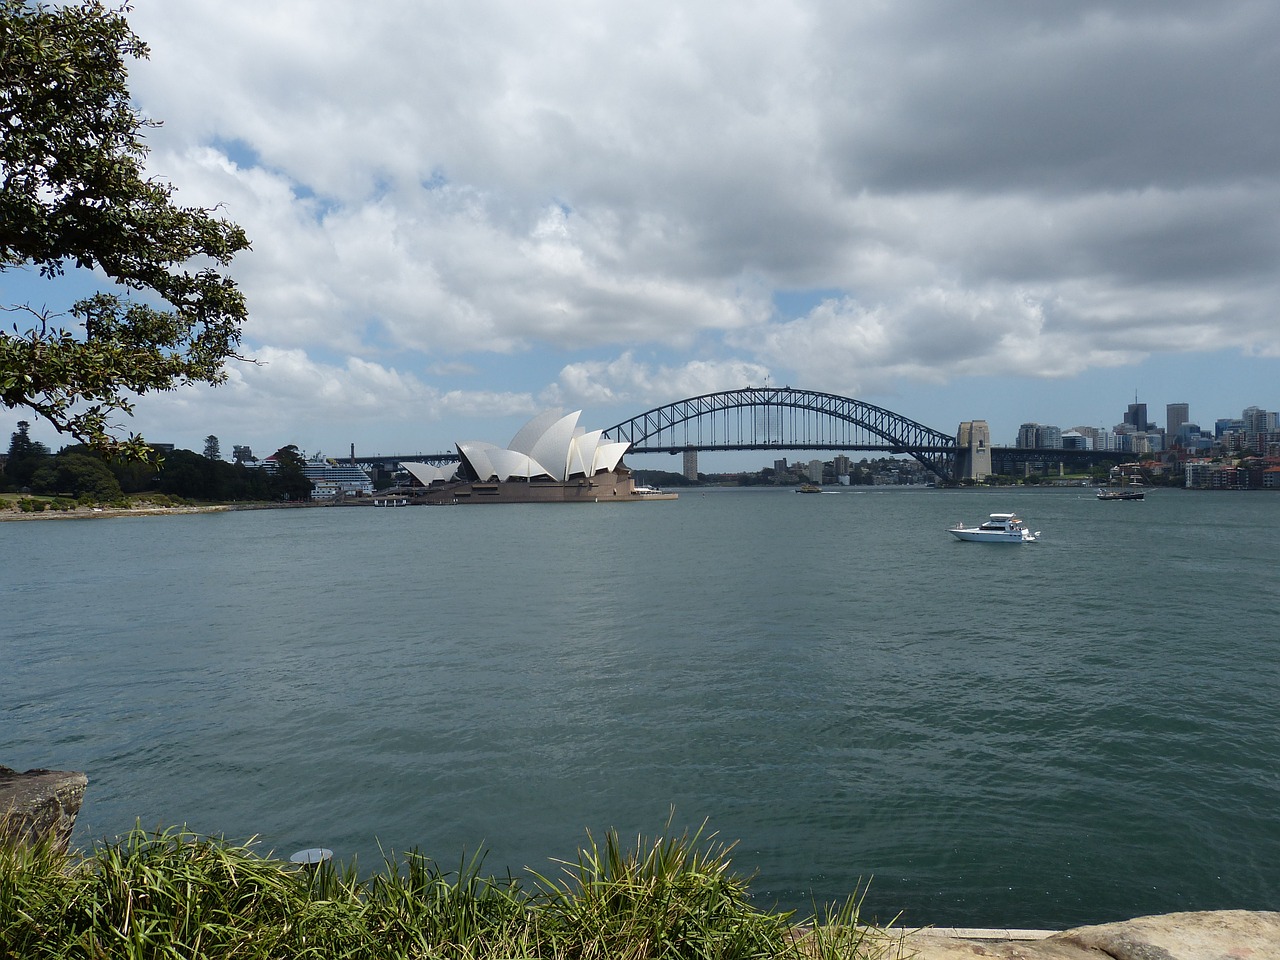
<point x="25" y="455"/>
<point x="73" y="191"/>
<point x="81" y="471"/>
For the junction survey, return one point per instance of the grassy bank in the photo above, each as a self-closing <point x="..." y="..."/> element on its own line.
<point x="175" y="894"/>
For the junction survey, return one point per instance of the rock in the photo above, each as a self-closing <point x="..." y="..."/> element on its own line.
<point x="39" y="803"/>
<point x="1209" y="935"/>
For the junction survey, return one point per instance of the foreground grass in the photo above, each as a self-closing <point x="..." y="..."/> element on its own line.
<point x="175" y="894"/>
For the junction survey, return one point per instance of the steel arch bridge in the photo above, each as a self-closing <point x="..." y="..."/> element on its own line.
<point x="783" y="418"/>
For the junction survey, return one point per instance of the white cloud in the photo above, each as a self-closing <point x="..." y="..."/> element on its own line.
<point x="628" y="381"/>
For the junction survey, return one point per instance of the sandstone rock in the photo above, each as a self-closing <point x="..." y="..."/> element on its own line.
<point x="1209" y="935"/>
<point x="39" y="803"/>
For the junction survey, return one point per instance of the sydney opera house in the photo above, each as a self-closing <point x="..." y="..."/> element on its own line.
<point x="550" y="460"/>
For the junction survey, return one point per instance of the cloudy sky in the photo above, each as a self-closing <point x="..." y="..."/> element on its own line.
<point x="464" y="213"/>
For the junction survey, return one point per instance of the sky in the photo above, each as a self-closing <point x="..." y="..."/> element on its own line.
<point x="462" y="214"/>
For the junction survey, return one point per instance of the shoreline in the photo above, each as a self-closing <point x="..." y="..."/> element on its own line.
<point x="96" y="513"/>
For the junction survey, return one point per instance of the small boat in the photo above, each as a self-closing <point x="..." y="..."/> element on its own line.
<point x="1123" y="494"/>
<point x="644" y="491"/>
<point x="998" y="528"/>
<point x="808" y="488"/>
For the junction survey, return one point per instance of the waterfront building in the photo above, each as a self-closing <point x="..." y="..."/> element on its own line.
<point x="815" y="471"/>
<point x="1197" y="473"/>
<point x="1214" y="475"/>
<point x="549" y="460"/>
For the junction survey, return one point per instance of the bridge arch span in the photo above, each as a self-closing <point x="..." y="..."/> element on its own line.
<point x="785" y="418"/>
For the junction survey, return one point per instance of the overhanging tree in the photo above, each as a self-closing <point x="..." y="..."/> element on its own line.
<point x="73" y="191"/>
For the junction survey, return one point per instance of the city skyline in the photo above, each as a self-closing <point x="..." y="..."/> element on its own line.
<point x="463" y="215"/>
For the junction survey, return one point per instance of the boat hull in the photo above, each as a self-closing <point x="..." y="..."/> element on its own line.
<point x="1120" y="495"/>
<point x="986" y="536"/>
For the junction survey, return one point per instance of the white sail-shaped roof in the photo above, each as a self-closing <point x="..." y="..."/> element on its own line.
<point x="426" y="474"/>
<point x="582" y="454"/>
<point x="552" y="448"/>
<point x="476" y="454"/>
<point x="609" y="454"/>
<point x="549" y="445"/>
<point x="512" y="464"/>
<point x="527" y="437"/>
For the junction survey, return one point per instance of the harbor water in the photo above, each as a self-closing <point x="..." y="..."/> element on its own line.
<point x="1080" y="730"/>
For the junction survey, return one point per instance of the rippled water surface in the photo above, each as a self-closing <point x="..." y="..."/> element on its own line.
<point x="1080" y="730"/>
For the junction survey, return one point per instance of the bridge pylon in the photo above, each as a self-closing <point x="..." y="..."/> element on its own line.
<point x="973" y="453"/>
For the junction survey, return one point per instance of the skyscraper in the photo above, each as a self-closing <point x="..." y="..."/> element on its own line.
<point x="691" y="464"/>
<point x="1175" y="415"/>
<point x="1137" y="416"/>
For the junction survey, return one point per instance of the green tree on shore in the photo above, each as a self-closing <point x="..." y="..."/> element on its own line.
<point x="75" y="474"/>
<point x="25" y="456"/>
<point x="293" y="482"/>
<point x="73" y="192"/>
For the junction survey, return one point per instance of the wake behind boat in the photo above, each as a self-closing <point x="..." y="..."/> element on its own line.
<point x="998" y="528"/>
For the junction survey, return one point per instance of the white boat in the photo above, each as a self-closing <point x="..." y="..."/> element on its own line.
<point x="998" y="528"/>
<point x="647" y="492"/>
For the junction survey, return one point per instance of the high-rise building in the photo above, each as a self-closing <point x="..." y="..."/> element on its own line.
<point x="1257" y="420"/>
<point x="1039" y="436"/>
<point x="1175" y="415"/>
<point x="691" y="464"/>
<point x="1136" y="417"/>
<point x="1089" y="433"/>
<point x="815" y="471"/>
